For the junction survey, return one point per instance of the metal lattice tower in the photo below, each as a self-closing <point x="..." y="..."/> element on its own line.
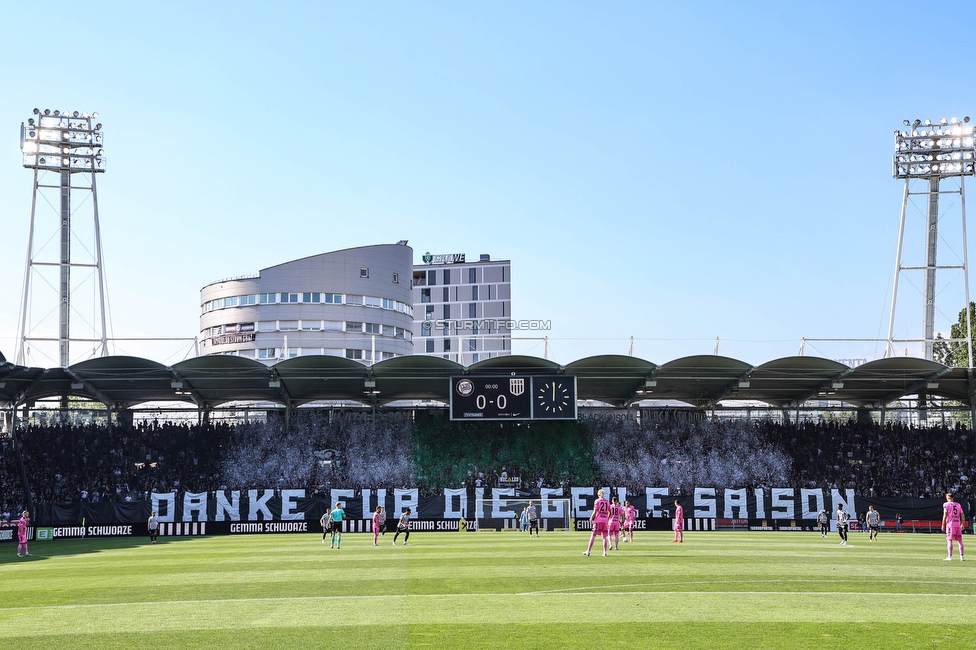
<point x="928" y="155"/>
<point x="65" y="151"/>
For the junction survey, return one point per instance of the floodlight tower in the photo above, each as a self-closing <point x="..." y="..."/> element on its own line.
<point x="69" y="146"/>
<point x="932" y="153"/>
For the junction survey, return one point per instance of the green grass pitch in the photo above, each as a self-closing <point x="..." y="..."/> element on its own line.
<point x="489" y="590"/>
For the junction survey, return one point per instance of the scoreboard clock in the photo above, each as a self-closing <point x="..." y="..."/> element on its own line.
<point x="511" y="397"/>
<point x="554" y="398"/>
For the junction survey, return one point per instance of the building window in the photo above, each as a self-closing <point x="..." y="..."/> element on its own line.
<point x="472" y="345"/>
<point x="288" y="297"/>
<point x="474" y="358"/>
<point x="372" y="328"/>
<point x="447" y="311"/>
<point x="472" y="310"/>
<point x="399" y="333"/>
<point x="431" y="278"/>
<point x="267" y="298"/>
<point x="354" y="354"/>
<point x="472" y="276"/>
<point x="430" y="314"/>
<point x="430" y="345"/>
<point x="364" y="272"/>
<point x="425" y="295"/>
<point x="474" y="292"/>
<point x="425" y="328"/>
<point x="354" y="327"/>
<point x="267" y="353"/>
<point x="396" y="278"/>
<point x="447" y="295"/>
<point x="372" y="301"/>
<point x="333" y="298"/>
<point x="447" y="345"/>
<point x="288" y="325"/>
<point x="230" y="301"/>
<point x="311" y="297"/>
<point x="249" y="300"/>
<point x="447" y="276"/>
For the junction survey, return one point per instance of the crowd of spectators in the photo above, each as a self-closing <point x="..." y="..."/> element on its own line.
<point x="683" y="455"/>
<point x="12" y="498"/>
<point x="96" y="463"/>
<point x="894" y="460"/>
<point x="317" y="452"/>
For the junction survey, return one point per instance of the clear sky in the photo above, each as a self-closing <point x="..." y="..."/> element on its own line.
<point x="673" y="172"/>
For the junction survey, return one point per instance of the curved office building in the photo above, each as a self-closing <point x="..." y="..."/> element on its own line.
<point x="354" y="303"/>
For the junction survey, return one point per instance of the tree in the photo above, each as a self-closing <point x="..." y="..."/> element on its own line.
<point x="953" y="353"/>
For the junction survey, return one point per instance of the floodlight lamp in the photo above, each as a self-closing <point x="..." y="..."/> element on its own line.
<point x="30" y="122"/>
<point x="917" y="122"/>
<point x="75" y="114"/>
<point x="905" y="122"/>
<point x="966" y="119"/>
<point x="928" y="122"/>
<point x="94" y="116"/>
<point x="953" y="120"/>
<point x="47" y="111"/>
<point x="98" y="126"/>
<point x="943" y="121"/>
<point x="85" y="115"/>
<point x="57" y="113"/>
<point x="37" y="111"/>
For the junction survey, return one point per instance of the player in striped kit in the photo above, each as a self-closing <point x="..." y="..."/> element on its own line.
<point x="842" y="518"/>
<point x="873" y="520"/>
<point x="953" y="519"/>
<point x="599" y="522"/>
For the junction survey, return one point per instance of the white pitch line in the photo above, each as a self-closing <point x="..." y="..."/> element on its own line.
<point x="803" y="594"/>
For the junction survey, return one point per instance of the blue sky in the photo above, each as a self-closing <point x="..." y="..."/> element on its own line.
<point x="674" y="172"/>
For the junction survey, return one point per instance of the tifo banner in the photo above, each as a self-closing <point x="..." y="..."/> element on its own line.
<point x="295" y="510"/>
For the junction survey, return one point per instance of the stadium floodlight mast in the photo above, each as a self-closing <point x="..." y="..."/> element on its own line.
<point x="932" y="153"/>
<point x="68" y="145"/>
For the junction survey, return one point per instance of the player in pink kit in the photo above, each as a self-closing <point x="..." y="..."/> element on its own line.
<point x="679" y="523"/>
<point x="630" y="519"/>
<point x="616" y="513"/>
<point x="953" y="519"/>
<point x="598" y="522"/>
<point x="22" y="533"/>
<point x="376" y="525"/>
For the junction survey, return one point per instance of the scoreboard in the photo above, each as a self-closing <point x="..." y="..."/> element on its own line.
<point x="513" y="397"/>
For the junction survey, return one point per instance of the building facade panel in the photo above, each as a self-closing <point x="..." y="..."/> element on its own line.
<point x="462" y="309"/>
<point x="348" y="303"/>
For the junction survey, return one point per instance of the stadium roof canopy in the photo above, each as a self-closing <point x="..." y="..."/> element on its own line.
<point x="703" y="381"/>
